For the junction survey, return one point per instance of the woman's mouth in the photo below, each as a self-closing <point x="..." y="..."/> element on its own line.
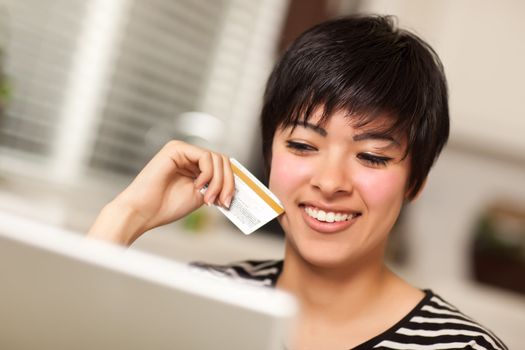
<point x="329" y="216"/>
<point x="325" y="221"/>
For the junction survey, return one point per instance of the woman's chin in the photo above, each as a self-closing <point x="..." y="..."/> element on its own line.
<point x="328" y="257"/>
<point x="326" y="262"/>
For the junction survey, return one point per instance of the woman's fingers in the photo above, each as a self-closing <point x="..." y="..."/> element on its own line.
<point x="215" y="184"/>
<point x="211" y="174"/>
<point x="228" y="188"/>
<point x="189" y="173"/>
<point x="205" y="162"/>
<point x="221" y="188"/>
<point x="207" y="168"/>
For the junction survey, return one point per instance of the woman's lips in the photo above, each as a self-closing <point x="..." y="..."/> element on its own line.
<point x="327" y="227"/>
<point x="328" y="215"/>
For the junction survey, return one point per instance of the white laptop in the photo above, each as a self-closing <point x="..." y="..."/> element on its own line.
<point x="59" y="290"/>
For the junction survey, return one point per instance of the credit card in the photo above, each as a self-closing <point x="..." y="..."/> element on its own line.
<point x="253" y="204"/>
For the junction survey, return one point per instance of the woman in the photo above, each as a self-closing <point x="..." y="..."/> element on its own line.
<point x="355" y="114"/>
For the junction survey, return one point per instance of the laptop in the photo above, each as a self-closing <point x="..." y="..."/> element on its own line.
<point x="60" y="290"/>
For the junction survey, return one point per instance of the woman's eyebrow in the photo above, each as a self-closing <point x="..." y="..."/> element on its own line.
<point x="313" y="127"/>
<point x="359" y="137"/>
<point x="376" y="136"/>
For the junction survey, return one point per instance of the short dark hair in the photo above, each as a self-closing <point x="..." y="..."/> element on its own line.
<point x="366" y="66"/>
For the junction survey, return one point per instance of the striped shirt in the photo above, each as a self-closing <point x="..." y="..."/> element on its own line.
<point x="432" y="324"/>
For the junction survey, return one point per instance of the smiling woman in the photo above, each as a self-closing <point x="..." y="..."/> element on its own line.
<point x="337" y="170"/>
<point x="355" y="115"/>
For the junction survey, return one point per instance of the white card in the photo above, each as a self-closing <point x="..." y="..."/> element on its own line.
<point x="253" y="204"/>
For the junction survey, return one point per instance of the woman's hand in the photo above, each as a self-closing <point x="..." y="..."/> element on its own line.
<point x="167" y="189"/>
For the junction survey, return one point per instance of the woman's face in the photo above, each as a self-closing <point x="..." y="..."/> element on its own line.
<point x="342" y="188"/>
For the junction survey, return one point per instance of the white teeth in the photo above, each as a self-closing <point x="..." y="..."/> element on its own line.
<point x="321" y="215"/>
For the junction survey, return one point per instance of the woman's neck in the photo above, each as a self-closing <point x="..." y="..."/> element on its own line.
<point x="344" y="307"/>
<point x="333" y="292"/>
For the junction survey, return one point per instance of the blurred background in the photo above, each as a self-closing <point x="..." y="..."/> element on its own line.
<point x="91" y="89"/>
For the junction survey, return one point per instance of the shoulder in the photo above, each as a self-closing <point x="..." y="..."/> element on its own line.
<point x="258" y="272"/>
<point x="435" y="321"/>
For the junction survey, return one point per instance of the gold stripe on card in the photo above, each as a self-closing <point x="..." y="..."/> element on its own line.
<point x="265" y="197"/>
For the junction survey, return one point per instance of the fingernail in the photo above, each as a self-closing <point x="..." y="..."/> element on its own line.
<point x="211" y="201"/>
<point x="227" y="203"/>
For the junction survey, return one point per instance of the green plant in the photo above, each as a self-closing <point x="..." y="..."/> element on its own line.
<point x="5" y="91"/>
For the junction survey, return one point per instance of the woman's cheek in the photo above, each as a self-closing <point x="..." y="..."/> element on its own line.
<point x="377" y="187"/>
<point x="287" y="172"/>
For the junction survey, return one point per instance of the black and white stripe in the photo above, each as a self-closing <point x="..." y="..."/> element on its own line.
<point x="432" y="324"/>
<point x="263" y="273"/>
<point x="435" y="324"/>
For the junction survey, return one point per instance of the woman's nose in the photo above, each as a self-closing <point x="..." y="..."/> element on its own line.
<point x="332" y="178"/>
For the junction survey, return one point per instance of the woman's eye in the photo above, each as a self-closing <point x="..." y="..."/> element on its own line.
<point x="374" y="160"/>
<point x="299" y="147"/>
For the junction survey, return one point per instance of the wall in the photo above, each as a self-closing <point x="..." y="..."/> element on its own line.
<point x="482" y="48"/>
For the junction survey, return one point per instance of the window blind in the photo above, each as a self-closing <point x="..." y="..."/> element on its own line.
<point x="40" y="37"/>
<point x="167" y="58"/>
<point x="160" y="73"/>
